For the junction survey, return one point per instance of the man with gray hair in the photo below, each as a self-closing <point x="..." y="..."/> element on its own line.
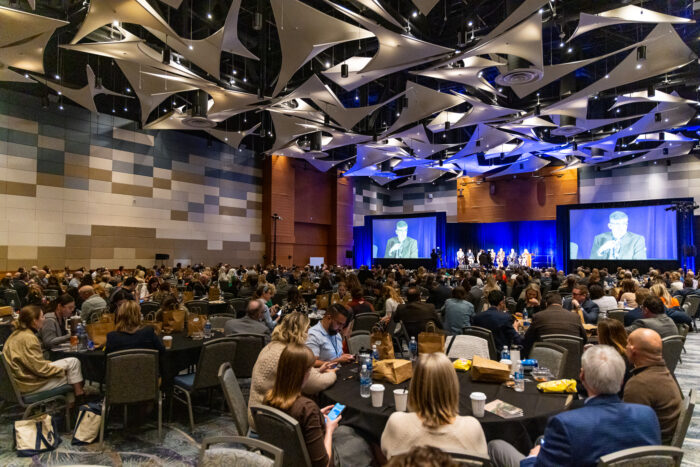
<point x="92" y="303"/>
<point x="251" y="323"/>
<point x="618" y="243"/>
<point x="602" y="426"/>
<point x="401" y="246"/>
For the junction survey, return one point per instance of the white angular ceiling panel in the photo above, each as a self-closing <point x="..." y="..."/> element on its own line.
<point x="423" y="102"/>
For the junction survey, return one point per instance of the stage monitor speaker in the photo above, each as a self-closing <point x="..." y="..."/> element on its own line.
<point x="348" y="254"/>
<point x="162" y="256"/>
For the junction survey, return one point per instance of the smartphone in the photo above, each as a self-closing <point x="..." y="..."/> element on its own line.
<point x="335" y="411"/>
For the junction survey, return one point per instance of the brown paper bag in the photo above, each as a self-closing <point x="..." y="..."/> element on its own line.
<point x="431" y="341"/>
<point x="5" y="311"/>
<point x="98" y="332"/>
<point x="175" y="320"/>
<point x="195" y="324"/>
<point x="187" y="296"/>
<point x="385" y="346"/>
<point x="489" y="371"/>
<point x="150" y="320"/>
<point x="322" y="301"/>
<point x="107" y="318"/>
<point x="214" y="294"/>
<point x="394" y="371"/>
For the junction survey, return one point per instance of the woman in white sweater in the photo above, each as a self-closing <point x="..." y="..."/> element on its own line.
<point x="433" y="397"/>
<point x="293" y="328"/>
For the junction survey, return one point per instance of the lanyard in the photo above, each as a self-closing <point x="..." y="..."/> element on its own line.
<point x="334" y="344"/>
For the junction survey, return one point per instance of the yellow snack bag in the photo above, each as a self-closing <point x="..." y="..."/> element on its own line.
<point x="560" y="385"/>
<point x="462" y="364"/>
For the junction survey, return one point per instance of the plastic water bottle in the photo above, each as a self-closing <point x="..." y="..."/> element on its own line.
<point x="505" y="353"/>
<point x="365" y="381"/>
<point x="207" y="329"/>
<point x="413" y="348"/>
<point x="13" y="304"/>
<point x="375" y="352"/>
<point x="518" y="376"/>
<point x="82" y="337"/>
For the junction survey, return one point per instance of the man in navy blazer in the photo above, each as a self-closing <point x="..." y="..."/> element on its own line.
<point x="498" y="321"/>
<point x="602" y="426"/>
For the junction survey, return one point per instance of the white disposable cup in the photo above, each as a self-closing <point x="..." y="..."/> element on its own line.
<point x="167" y="342"/>
<point x="401" y="399"/>
<point x="377" y="392"/>
<point x="478" y="403"/>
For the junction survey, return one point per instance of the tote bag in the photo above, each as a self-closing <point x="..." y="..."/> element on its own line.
<point x="36" y="435"/>
<point x="87" y="426"/>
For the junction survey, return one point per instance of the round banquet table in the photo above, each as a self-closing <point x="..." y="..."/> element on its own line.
<point x="521" y="432"/>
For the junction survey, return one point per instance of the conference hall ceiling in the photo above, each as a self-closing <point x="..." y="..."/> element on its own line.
<point x="402" y="91"/>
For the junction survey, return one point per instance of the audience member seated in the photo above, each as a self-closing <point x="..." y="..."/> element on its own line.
<point x="434" y="420"/>
<point x="457" y="312"/>
<point x="249" y="287"/>
<point x="603" y="425"/>
<point x="325" y="340"/>
<point x="264" y="295"/>
<point x="612" y="332"/>
<point x="676" y="283"/>
<point x="28" y="367"/>
<point x="251" y="323"/>
<point x="633" y="315"/>
<point x="293" y="369"/>
<point x="358" y="304"/>
<point x="54" y="330"/>
<point x="293" y="329"/>
<point x="498" y="321"/>
<point x="651" y="383"/>
<point x="341" y="295"/>
<point x="423" y="456"/>
<point x="129" y="334"/>
<point x="687" y="289"/>
<point x="655" y="318"/>
<point x="439" y="293"/>
<point x="552" y="320"/>
<point x="605" y="302"/>
<point x="295" y="302"/>
<point x="392" y="302"/>
<point x="660" y="290"/>
<point x="162" y="293"/>
<point x="580" y="302"/>
<point x="92" y="303"/>
<point x="416" y="314"/>
<point x="128" y="288"/>
<point x="532" y="301"/>
<point x="627" y="294"/>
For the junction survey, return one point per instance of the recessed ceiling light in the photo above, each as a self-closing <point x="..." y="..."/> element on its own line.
<point x="57" y="76"/>
<point x="191" y="47"/>
<point x="570" y="50"/>
<point x="414" y="14"/>
<point x="209" y="15"/>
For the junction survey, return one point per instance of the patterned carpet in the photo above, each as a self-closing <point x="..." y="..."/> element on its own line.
<point x="138" y="445"/>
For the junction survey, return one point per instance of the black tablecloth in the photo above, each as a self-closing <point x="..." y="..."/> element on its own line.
<point x="217" y="308"/>
<point x="521" y="432"/>
<point x="183" y="353"/>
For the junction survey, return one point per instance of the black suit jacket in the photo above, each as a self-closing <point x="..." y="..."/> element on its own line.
<point x="438" y="295"/>
<point x="415" y="316"/>
<point x="553" y="320"/>
<point x="500" y="324"/>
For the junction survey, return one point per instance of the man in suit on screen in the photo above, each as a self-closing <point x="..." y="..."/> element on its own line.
<point x="618" y="243"/>
<point x="401" y="246"/>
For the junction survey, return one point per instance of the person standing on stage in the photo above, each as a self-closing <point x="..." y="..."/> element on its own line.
<point x="500" y="258"/>
<point x="512" y="258"/>
<point x="470" y="258"/>
<point x="460" y="258"/>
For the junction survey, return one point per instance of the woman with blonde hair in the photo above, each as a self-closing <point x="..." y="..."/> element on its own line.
<point x="660" y="290"/>
<point x="434" y="420"/>
<point x="531" y="300"/>
<point x="393" y="300"/>
<point x="292" y="329"/>
<point x="129" y="334"/>
<point x="628" y="288"/>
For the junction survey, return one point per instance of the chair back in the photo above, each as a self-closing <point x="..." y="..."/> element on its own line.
<point x="693" y="303"/>
<point x="8" y="389"/>
<point x="258" y="453"/>
<point x="247" y="350"/>
<point x="219" y="321"/>
<point x="484" y="333"/>
<point x="359" y="340"/>
<point x="198" y="307"/>
<point x="474" y="460"/>
<point x="687" y="409"/>
<point x="234" y="398"/>
<point x="239" y="305"/>
<point x="213" y="354"/>
<point x="658" y="456"/>
<point x="365" y="321"/>
<point x="462" y="346"/>
<point x="283" y="431"/>
<point x="671" y="350"/>
<point x="370" y="298"/>
<point x="139" y="366"/>
<point x="574" y="346"/>
<point x="551" y="356"/>
<point x="279" y="298"/>
<point x="322" y="301"/>
<point x="149" y="307"/>
<point x="10" y="295"/>
<point x="51" y="293"/>
<point x="618" y="315"/>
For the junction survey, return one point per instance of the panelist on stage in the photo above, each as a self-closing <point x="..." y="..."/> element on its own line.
<point x="401" y="246"/>
<point x="618" y="243"/>
<point x="460" y="257"/>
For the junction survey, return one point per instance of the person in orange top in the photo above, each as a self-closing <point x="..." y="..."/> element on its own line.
<point x="659" y="290"/>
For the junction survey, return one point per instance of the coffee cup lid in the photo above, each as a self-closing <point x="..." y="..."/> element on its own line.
<point x="479" y="396"/>
<point x="400" y="391"/>
<point x="376" y="387"/>
<point x="167" y="337"/>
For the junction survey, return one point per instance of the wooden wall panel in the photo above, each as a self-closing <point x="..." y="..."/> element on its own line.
<point x="278" y="197"/>
<point x="313" y="194"/>
<point x="520" y="199"/>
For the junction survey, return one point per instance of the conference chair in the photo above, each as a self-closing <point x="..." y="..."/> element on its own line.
<point x="134" y="365"/>
<point x="198" y="307"/>
<point x="11" y="295"/>
<point x="240" y="305"/>
<point x="461" y="346"/>
<point x="358" y="340"/>
<point x="279" y="299"/>
<point x="683" y="330"/>
<point x="671" y="350"/>
<point x="149" y="307"/>
<point x="687" y="409"/>
<point x="618" y="314"/>
<point x="206" y="376"/>
<point x="234" y="398"/>
<point x="471" y="460"/>
<point x="248" y="348"/>
<point x="691" y="306"/>
<point x="550" y="356"/>
<point x="365" y="321"/>
<point x="281" y="430"/>
<point x="219" y="321"/>
<point x="9" y="393"/>
<point x="658" y="456"/>
<point x="484" y="334"/>
<point x="574" y="346"/>
<point x="256" y="453"/>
